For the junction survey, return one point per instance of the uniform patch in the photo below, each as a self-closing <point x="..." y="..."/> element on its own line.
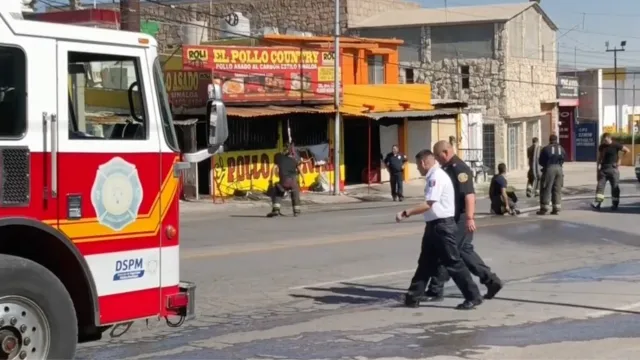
<point x="432" y="183"/>
<point x="116" y="194"/>
<point x="463" y="177"/>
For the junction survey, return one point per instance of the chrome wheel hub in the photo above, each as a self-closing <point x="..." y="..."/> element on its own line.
<point x="24" y="329"/>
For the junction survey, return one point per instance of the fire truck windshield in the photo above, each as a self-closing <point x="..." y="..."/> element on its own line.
<point x="165" y="110"/>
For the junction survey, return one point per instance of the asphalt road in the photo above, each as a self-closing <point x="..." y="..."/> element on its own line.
<point x="327" y="285"/>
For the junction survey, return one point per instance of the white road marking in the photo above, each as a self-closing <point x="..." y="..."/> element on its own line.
<point x="598" y="314"/>
<point x="374" y="276"/>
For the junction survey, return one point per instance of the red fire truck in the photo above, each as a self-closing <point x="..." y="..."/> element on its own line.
<point x="89" y="218"/>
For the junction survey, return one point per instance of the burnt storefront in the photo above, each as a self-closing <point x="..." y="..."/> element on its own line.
<point x="568" y="101"/>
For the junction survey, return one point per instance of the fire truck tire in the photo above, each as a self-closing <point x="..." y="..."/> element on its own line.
<point x="37" y="316"/>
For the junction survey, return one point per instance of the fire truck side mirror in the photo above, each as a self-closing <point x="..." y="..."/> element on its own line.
<point x="218" y="127"/>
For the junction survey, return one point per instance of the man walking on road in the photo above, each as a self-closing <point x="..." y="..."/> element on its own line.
<point x="551" y="159"/>
<point x="465" y="202"/>
<point x="394" y="163"/>
<point x="439" y="243"/>
<point x="533" y="176"/>
<point x="608" y="161"/>
<point x="287" y="166"/>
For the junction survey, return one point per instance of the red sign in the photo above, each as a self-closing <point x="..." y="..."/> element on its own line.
<point x="266" y="74"/>
<point x="187" y="88"/>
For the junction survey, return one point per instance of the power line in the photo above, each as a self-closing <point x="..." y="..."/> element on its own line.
<point x="275" y="42"/>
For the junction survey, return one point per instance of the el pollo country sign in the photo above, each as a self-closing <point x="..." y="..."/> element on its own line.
<point x="266" y="74"/>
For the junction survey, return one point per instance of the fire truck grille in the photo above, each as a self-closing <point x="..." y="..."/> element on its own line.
<point x="15" y="188"/>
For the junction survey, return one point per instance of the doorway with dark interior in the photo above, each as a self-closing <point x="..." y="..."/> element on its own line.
<point x="358" y="132"/>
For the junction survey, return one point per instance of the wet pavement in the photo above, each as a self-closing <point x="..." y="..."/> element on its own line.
<point x="328" y="286"/>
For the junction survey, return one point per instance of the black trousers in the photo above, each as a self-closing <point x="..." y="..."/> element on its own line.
<point x="612" y="175"/>
<point x="440" y="254"/>
<point x="469" y="256"/>
<point x="279" y="191"/>
<point x="396" y="179"/>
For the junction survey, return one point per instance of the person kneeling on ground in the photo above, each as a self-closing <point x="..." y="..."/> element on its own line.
<point x="503" y="201"/>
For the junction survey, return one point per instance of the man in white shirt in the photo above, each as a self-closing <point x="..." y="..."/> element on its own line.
<point x="439" y="243"/>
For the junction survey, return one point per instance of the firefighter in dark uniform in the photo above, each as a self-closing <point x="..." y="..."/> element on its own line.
<point x="287" y="166"/>
<point x="608" y="161"/>
<point x="461" y="177"/>
<point x="533" y="175"/>
<point x="439" y="242"/>
<point x="551" y="160"/>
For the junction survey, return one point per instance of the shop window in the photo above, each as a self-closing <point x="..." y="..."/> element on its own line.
<point x="464" y="72"/>
<point x="375" y="64"/>
<point x="408" y="76"/>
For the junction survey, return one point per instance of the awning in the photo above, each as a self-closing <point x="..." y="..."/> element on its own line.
<point x="411" y="114"/>
<point x="271" y="110"/>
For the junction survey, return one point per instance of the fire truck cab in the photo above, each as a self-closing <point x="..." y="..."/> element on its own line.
<point x="89" y="218"/>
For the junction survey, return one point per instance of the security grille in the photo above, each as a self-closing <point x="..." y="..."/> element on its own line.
<point x="489" y="147"/>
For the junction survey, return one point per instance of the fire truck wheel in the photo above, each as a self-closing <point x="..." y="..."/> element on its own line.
<point x="37" y="317"/>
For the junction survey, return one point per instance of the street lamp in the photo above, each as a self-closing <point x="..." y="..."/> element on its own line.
<point x="615" y="51"/>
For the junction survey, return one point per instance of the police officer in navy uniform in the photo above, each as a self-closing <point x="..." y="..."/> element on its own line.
<point x="608" y="161"/>
<point x="394" y="163"/>
<point x="439" y="242"/>
<point x="551" y="159"/>
<point x="461" y="176"/>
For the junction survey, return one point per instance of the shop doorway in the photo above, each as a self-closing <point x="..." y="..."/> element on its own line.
<point x="356" y="146"/>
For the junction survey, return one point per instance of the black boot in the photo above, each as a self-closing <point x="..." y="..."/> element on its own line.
<point x="415" y="294"/>
<point x="614" y="206"/>
<point x="433" y="296"/>
<point x="596" y="205"/>
<point x="469" y="304"/>
<point x="274" y="213"/>
<point x="493" y="288"/>
<point x="541" y="212"/>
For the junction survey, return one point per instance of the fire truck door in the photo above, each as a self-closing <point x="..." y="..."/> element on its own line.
<point x="109" y="179"/>
<point x="24" y="128"/>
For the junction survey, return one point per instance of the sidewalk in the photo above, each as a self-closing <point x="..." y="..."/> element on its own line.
<point x="579" y="179"/>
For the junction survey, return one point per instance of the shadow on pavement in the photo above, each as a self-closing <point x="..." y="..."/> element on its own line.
<point x="357" y="295"/>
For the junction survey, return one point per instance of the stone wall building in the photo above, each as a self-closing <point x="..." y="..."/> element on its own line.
<point x="500" y="57"/>
<point x="315" y="16"/>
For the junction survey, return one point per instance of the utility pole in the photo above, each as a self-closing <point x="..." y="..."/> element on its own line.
<point x="633" y="125"/>
<point x="336" y="85"/>
<point x="615" y="51"/>
<point x="130" y="15"/>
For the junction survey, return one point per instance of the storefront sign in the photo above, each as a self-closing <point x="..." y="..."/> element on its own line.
<point x="187" y="89"/>
<point x="251" y="171"/>
<point x="568" y="87"/>
<point x="586" y="141"/>
<point x="266" y="74"/>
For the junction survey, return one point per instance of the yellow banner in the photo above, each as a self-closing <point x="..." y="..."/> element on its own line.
<point x="251" y="171"/>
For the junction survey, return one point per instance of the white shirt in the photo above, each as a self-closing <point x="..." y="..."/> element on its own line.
<point x="439" y="189"/>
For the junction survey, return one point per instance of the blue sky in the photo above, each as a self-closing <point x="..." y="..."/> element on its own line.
<point x="584" y="25"/>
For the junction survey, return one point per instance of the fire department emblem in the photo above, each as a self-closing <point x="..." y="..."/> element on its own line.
<point x="116" y="194"/>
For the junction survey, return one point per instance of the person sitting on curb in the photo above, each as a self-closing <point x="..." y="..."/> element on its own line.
<point x="503" y="199"/>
